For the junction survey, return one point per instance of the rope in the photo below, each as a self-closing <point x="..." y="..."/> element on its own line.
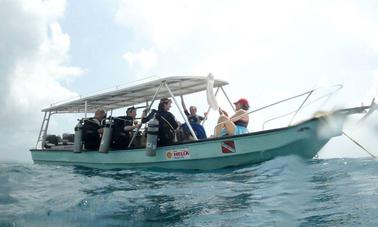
<point x="358" y="144"/>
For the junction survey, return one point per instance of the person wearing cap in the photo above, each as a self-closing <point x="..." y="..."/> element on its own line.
<point x="167" y="123"/>
<point x="237" y="123"/>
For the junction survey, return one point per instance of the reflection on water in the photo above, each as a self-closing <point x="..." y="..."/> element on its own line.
<point x="285" y="191"/>
<point x="5" y="191"/>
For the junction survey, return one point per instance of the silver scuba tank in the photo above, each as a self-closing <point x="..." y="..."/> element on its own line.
<point x="78" y="142"/>
<point x="106" y="136"/>
<point x="152" y="136"/>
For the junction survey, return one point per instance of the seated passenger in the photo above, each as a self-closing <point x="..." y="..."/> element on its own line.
<point x="198" y="129"/>
<point x="123" y="128"/>
<point x="237" y="123"/>
<point x="167" y="123"/>
<point x="194" y="120"/>
<point x="93" y="129"/>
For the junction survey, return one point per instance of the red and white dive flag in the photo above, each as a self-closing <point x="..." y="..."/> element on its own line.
<point x="228" y="146"/>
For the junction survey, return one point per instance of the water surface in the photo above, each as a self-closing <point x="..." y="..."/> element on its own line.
<point x="285" y="191"/>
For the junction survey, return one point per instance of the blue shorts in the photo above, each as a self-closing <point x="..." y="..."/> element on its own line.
<point x="238" y="130"/>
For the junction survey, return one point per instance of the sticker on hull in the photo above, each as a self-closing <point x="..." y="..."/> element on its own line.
<point x="228" y="146"/>
<point x="177" y="154"/>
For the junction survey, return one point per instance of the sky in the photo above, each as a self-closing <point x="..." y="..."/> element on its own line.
<point x="268" y="50"/>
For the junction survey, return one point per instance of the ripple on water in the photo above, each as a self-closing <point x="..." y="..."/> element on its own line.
<point x="285" y="191"/>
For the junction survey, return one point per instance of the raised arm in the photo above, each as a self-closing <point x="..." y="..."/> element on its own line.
<point x="145" y="118"/>
<point x="183" y="103"/>
<point x="184" y="106"/>
<point x="222" y="112"/>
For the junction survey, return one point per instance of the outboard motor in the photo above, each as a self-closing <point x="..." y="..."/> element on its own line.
<point x="152" y="136"/>
<point x="78" y="142"/>
<point x="106" y="136"/>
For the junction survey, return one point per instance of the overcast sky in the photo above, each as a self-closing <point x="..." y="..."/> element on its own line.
<point x="267" y="50"/>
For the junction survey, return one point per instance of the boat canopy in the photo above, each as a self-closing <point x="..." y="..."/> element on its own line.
<point x="134" y="95"/>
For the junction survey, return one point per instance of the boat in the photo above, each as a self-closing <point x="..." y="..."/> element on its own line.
<point x="304" y="138"/>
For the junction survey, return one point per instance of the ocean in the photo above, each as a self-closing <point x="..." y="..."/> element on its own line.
<point x="285" y="191"/>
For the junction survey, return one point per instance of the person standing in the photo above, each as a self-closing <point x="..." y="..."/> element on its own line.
<point x="192" y="113"/>
<point x="194" y="120"/>
<point x="167" y="123"/>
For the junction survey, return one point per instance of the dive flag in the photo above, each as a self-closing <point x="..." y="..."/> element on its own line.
<point x="228" y="146"/>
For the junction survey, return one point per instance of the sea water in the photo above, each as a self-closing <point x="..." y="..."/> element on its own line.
<point x="285" y="191"/>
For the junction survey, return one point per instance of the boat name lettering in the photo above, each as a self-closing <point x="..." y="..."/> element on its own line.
<point x="178" y="154"/>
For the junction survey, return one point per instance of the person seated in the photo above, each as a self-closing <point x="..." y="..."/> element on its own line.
<point x="236" y="124"/>
<point x="198" y="129"/>
<point x="93" y="129"/>
<point x="194" y="120"/>
<point x="167" y="123"/>
<point x="50" y="141"/>
<point x="123" y="128"/>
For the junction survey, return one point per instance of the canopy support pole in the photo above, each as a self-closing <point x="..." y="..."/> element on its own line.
<point x="229" y="101"/>
<point x="85" y="108"/>
<point x="148" y="110"/>
<point x="182" y="114"/>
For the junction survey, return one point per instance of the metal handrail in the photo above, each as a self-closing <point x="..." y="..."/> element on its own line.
<point x="308" y="93"/>
<point x="303" y="105"/>
<point x="148" y="110"/>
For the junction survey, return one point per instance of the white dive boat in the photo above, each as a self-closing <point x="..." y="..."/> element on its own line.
<point x="304" y="139"/>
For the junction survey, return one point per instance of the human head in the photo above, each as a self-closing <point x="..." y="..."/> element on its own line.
<point x="100" y="114"/>
<point x="165" y="104"/>
<point x="242" y="104"/>
<point x="193" y="110"/>
<point x="131" y="111"/>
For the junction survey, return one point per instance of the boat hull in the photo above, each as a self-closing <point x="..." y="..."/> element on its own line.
<point x="304" y="140"/>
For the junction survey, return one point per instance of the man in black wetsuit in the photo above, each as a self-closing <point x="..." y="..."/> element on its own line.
<point x="93" y="129"/>
<point x="123" y="129"/>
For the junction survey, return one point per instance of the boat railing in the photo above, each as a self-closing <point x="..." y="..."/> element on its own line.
<point x="304" y="103"/>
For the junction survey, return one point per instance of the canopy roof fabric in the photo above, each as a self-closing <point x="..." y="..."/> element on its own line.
<point x="133" y="95"/>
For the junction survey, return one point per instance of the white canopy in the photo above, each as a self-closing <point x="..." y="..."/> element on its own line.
<point x="133" y="95"/>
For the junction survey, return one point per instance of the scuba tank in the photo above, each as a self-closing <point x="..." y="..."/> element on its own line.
<point x="106" y="136"/>
<point x="152" y="136"/>
<point x="78" y="142"/>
